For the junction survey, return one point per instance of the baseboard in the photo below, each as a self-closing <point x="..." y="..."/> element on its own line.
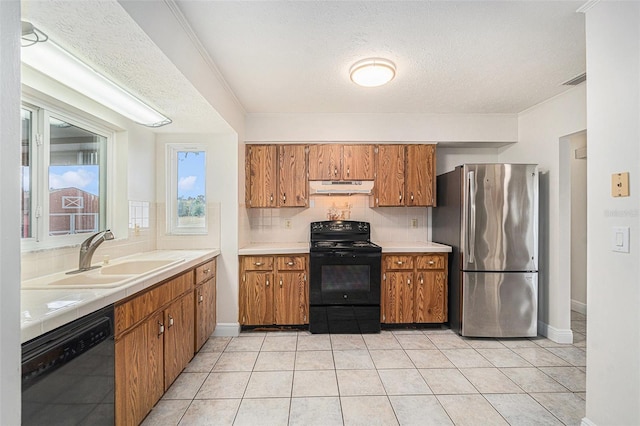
<point x="587" y="422"/>
<point x="227" y="329"/>
<point x="579" y="307"/>
<point x="556" y="334"/>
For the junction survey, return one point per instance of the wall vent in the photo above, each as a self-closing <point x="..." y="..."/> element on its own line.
<point x="576" y="80"/>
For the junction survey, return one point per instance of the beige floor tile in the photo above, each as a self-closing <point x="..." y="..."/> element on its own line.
<point x="470" y="410"/>
<point x="418" y="410"/>
<point x="280" y="343"/>
<point x="269" y="384"/>
<point x="466" y="358"/>
<point x="518" y="342"/>
<point x="203" y="362"/>
<point x="314" y="342"/>
<point x="224" y="385"/>
<point x="414" y="341"/>
<point x="211" y="412"/>
<point x="390" y="358"/>
<point x="215" y="344"/>
<point x="445" y="381"/>
<point x="439" y="330"/>
<point x="521" y="409"/>
<point x="540" y="357"/>
<point x="245" y="344"/>
<point x="503" y="358"/>
<point x="347" y="342"/>
<point x="577" y="316"/>
<point x="314" y="360"/>
<point x="544" y="342"/>
<point x="483" y="343"/>
<point x="490" y="380"/>
<point x="581" y="395"/>
<point x="265" y="411"/>
<point x="403" y="331"/>
<point x="185" y="386"/>
<point x="429" y="359"/>
<point x="568" y="407"/>
<point x="353" y="360"/>
<point x="275" y="361"/>
<point x="448" y="341"/>
<point x="404" y="382"/>
<point x="319" y="411"/>
<point x="367" y="411"/>
<point x="569" y="377"/>
<point x="166" y="413"/>
<point x="579" y="326"/>
<point x="236" y="361"/>
<point x="315" y="383"/>
<point x="533" y="380"/>
<point x="384" y="340"/>
<point x="571" y="354"/>
<point x="359" y="382"/>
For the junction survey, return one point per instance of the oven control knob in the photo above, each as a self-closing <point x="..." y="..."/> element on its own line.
<point x="345" y="296"/>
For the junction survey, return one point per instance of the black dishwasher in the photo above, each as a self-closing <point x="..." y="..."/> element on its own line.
<point x="68" y="373"/>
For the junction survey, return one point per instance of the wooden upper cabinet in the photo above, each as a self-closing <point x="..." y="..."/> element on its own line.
<point x="292" y="183"/>
<point x="357" y="162"/>
<point x="324" y="162"/>
<point x="261" y="179"/>
<point x="420" y="182"/>
<point x="389" y="182"/>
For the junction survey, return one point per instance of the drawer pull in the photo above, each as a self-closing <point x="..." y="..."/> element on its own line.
<point x="431" y="262"/>
<point x="258" y="263"/>
<point x="290" y="263"/>
<point x="399" y="262"/>
<point x="206" y="271"/>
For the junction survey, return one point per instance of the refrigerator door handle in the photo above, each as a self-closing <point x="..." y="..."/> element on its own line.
<point x="471" y="238"/>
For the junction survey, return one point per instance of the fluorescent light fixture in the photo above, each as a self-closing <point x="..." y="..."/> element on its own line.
<point x="52" y="60"/>
<point x="372" y="72"/>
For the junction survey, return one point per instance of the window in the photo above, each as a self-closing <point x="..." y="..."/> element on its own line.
<point x="187" y="208"/>
<point x="64" y="176"/>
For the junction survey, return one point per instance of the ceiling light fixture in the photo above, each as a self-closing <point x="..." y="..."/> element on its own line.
<point x="372" y="72"/>
<point x="54" y="61"/>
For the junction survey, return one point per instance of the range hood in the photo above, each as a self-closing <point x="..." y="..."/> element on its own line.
<point x="340" y="187"/>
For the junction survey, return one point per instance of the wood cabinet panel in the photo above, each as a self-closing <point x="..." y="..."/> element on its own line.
<point x="389" y="182"/>
<point x="432" y="261"/>
<point x="256" y="302"/>
<point x="431" y="297"/>
<point x="291" y="300"/>
<point x="291" y="263"/>
<point x="398" y="262"/>
<point x="261" y="178"/>
<point x="325" y="162"/>
<point x="205" y="272"/>
<point x="257" y="263"/>
<point x="398" y="297"/>
<point x="420" y="175"/>
<point x="205" y="306"/>
<point x="292" y="184"/>
<point x="358" y="162"/>
<point x="178" y="345"/>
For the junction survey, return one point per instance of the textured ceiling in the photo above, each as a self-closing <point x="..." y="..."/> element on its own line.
<point x="452" y="56"/>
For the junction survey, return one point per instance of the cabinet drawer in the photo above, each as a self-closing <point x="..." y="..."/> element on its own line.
<point x="291" y="263"/>
<point x="257" y="263"/>
<point x="401" y="262"/>
<point x="206" y="271"/>
<point x="431" y="261"/>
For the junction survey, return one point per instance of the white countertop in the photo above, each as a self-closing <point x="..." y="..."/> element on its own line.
<point x="258" y="249"/>
<point x="44" y="308"/>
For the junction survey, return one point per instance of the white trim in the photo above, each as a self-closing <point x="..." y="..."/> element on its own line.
<point x="579" y="307"/>
<point x="231" y="329"/>
<point x="556" y="334"/>
<point x="587" y="422"/>
<point x="588" y="5"/>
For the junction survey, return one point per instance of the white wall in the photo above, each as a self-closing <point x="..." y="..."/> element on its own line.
<point x="578" y="224"/>
<point x="613" y="289"/>
<point x="10" y="213"/>
<point x="540" y="129"/>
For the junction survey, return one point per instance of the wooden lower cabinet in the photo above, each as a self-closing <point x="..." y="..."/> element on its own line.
<point x="414" y="288"/>
<point x="273" y="290"/>
<point x="179" y="337"/>
<point x="205" y="303"/>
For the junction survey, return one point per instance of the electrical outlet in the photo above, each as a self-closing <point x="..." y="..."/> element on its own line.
<point x="287" y="224"/>
<point x="414" y="223"/>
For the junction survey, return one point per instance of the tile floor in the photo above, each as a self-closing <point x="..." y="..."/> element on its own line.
<point x="406" y="377"/>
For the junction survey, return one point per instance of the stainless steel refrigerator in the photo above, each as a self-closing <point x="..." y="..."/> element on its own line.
<point x="488" y="214"/>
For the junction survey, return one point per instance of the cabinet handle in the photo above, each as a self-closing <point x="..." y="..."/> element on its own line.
<point x="335" y="171"/>
<point x="200" y="298"/>
<point x="258" y="263"/>
<point x="431" y="262"/>
<point x="280" y="282"/>
<point x="400" y="197"/>
<point x="271" y="198"/>
<point x="412" y="196"/>
<point x="409" y="281"/>
<point x="170" y="321"/>
<point x="399" y="262"/>
<point x="290" y="263"/>
<point x="348" y="172"/>
<point x="267" y="283"/>
<point x="160" y="328"/>
<point x="206" y="271"/>
<point x="421" y="280"/>
<point x="284" y="198"/>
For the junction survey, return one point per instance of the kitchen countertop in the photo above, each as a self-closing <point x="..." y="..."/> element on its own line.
<point x="43" y="309"/>
<point x="257" y="249"/>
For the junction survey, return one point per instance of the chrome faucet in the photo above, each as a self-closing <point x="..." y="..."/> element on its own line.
<point x="88" y="247"/>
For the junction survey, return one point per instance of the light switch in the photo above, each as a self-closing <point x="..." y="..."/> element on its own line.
<point x="620" y="184"/>
<point x="620" y="239"/>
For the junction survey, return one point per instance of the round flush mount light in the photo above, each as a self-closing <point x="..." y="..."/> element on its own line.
<point x="372" y="72"/>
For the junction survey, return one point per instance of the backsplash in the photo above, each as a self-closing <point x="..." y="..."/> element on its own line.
<point x="292" y="224"/>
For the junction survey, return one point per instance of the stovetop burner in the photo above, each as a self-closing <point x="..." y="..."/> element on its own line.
<point x="341" y="235"/>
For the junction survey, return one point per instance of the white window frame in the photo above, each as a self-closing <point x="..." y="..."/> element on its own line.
<point x="172" y="189"/>
<point x="41" y="112"/>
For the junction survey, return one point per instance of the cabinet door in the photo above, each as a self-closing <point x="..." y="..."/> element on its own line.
<point x="261" y="176"/>
<point x="139" y="371"/>
<point x="178" y="341"/>
<point x="389" y="185"/>
<point x="431" y="296"/>
<point x="291" y="298"/>
<point x="205" y="307"/>
<point x="324" y="162"/>
<point x="292" y="188"/>
<point x="420" y="175"/>
<point x="357" y="162"/>
<point x="397" y="298"/>
<point x="256" y="298"/>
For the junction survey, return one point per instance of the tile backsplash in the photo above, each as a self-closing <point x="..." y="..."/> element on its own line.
<point x="292" y="224"/>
